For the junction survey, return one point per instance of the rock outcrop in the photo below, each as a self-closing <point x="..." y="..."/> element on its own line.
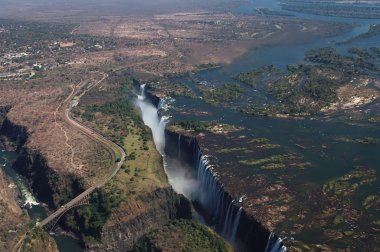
<point x="134" y="219"/>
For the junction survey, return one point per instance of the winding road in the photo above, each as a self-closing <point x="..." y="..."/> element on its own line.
<point x="68" y="105"/>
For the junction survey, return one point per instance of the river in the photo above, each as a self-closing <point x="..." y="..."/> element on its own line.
<point x="282" y="131"/>
<point x="330" y="157"/>
<point x="35" y="210"/>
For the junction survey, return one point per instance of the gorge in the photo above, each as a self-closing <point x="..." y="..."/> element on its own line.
<point x="192" y="175"/>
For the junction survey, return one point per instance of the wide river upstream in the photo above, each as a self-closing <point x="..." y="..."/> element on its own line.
<point x="330" y="158"/>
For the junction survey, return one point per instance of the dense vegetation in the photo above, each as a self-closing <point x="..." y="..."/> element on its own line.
<point x="182" y="235"/>
<point x="171" y="89"/>
<point x="38" y="37"/>
<point x="307" y="88"/>
<point x="374" y="30"/>
<point x="123" y="114"/>
<point x="250" y="78"/>
<point x="74" y="186"/>
<point x="113" y="114"/>
<point x="193" y="125"/>
<point x="37" y="240"/>
<point x="210" y="126"/>
<point x="87" y="221"/>
<point x="347" y="64"/>
<point x="220" y="95"/>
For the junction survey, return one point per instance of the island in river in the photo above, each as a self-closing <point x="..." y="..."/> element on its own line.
<point x="293" y="136"/>
<point x="311" y="178"/>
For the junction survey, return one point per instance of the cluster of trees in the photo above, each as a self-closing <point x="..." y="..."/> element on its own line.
<point x="191" y="235"/>
<point x="40" y="36"/>
<point x="22" y="33"/>
<point x="87" y="221"/>
<point x="250" y="78"/>
<point x="123" y="113"/>
<point x="194" y="125"/>
<point x="220" y="94"/>
<point x="347" y="64"/>
<point x="307" y="88"/>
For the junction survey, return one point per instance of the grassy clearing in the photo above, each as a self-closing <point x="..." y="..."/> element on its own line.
<point x="231" y="150"/>
<point x="142" y="171"/>
<point x="272" y="159"/>
<point x="349" y="183"/>
<point x="268" y="146"/>
<point x="278" y="162"/>
<point x="259" y="140"/>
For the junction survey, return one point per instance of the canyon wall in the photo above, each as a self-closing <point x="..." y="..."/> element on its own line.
<point x="140" y="216"/>
<point x="219" y="206"/>
<point x="47" y="185"/>
<point x="126" y="224"/>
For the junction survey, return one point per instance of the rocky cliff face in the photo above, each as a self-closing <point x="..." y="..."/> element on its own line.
<point x="139" y="216"/>
<point x="13" y="222"/>
<point x="127" y="223"/>
<point x="15" y="134"/>
<point x="251" y="235"/>
<point x="49" y="186"/>
<point x="3" y="111"/>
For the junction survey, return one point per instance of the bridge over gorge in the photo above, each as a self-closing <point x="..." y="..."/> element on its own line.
<point x="83" y="198"/>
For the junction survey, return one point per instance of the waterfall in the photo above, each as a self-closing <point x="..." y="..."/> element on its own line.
<point x="274" y="244"/>
<point x="152" y="120"/>
<point x="235" y="225"/>
<point x="141" y="96"/>
<point x="205" y="188"/>
<point x="179" y="177"/>
<point x="225" y="214"/>
<point x="179" y="146"/>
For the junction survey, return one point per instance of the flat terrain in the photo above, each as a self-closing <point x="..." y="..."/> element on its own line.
<point x="184" y="42"/>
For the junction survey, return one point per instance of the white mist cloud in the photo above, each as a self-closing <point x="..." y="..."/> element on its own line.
<point x="180" y="177"/>
<point x="151" y="119"/>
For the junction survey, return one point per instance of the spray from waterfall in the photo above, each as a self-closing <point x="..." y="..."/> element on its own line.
<point x="225" y="214"/>
<point x="179" y="176"/>
<point x="179" y="146"/>
<point x="274" y="244"/>
<point x="151" y="119"/>
<point x="204" y="186"/>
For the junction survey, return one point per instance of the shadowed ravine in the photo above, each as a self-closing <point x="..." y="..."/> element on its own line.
<point x="192" y="175"/>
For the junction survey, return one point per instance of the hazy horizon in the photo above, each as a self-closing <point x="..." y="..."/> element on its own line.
<point x="46" y="9"/>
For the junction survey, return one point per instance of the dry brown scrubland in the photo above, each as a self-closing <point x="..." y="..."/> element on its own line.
<point x="37" y="106"/>
<point x="176" y="43"/>
<point x="151" y="47"/>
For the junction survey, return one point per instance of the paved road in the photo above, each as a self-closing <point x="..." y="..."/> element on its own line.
<point x="95" y="136"/>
